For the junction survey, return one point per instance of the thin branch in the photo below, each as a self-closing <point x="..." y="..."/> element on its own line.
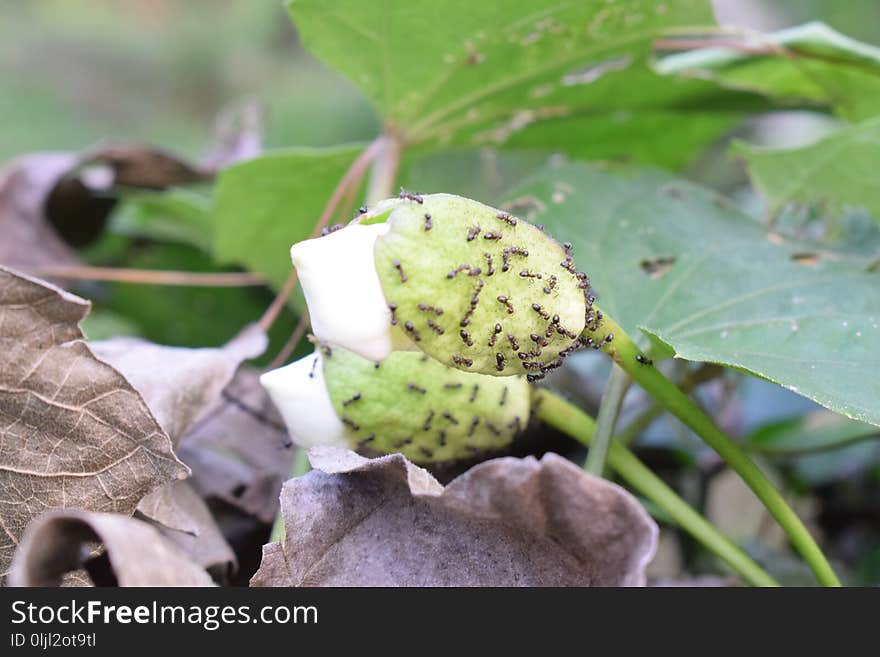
<point x="638" y="425"/>
<point x="277" y="304"/>
<point x="609" y="409"/>
<point x="684" y="45"/>
<point x="146" y="276"/>
<point x="352" y="177"/>
<point x="556" y="412"/>
<point x="346" y="207"/>
<point x="301" y="326"/>
<point x="384" y="171"/>
<point x="789" y="51"/>
<point x="629" y="357"/>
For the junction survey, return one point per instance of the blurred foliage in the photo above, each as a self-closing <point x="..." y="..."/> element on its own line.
<point x="79" y="71"/>
<point x="857" y="18"/>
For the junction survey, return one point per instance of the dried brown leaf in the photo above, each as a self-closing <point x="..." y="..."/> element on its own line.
<point x="240" y="452"/>
<point x="180" y="384"/>
<point x="62" y="541"/>
<point x="197" y="534"/>
<point x="506" y="522"/>
<point x="73" y="432"/>
<point x="77" y="579"/>
<point x="146" y="167"/>
<point x="49" y="201"/>
<point x="28" y="240"/>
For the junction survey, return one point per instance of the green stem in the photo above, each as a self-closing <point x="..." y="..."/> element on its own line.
<point x="646" y="418"/>
<point x="569" y="419"/>
<point x="384" y="171"/>
<point x="629" y="357"/>
<point x="609" y="409"/>
<point x="300" y="467"/>
<point x="639" y="425"/>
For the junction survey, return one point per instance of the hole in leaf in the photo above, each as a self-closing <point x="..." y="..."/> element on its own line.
<point x="657" y="267"/>
<point x="593" y="72"/>
<point x="672" y="191"/>
<point x="805" y="259"/>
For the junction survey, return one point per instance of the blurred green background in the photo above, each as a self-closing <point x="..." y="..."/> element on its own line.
<point x="73" y="72"/>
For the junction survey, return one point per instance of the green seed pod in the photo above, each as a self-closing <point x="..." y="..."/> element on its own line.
<point x="479" y="289"/>
<point x="415" y="405"/>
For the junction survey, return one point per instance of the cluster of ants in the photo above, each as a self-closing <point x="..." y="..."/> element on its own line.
<point x="535" y="369"/>
<point x="437" y="422"/>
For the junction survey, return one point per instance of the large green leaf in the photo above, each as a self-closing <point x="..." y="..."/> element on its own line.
<point x="264" y="205"/>
<point x="811" y="63"/>
<point x="484" y="73"/>
<point x="814" y="432"/>
<point x="837" y="171"/>
<point x="711" y="284"/>
<point x="667" y="137"/>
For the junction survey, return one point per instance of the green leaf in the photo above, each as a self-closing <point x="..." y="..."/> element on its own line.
<point x="264" y="205"/>
<point x="811" y="63"/>
<point x="176" y="215"/>
<point x="710" y="283"/>
<point x="662" y="136"/>
<point x="580" y="67"/>
<point x="839" y="170"/>
<point x="813" y="432"/>
<point x="479" y="173"/>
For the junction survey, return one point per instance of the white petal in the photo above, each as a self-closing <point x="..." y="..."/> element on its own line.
<point x="346" y="304"/>
<point x="299" y="392"/>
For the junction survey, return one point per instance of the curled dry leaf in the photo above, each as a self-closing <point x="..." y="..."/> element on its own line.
<point x="136" y="165"/>
<point x="239" y="451"/>
<point x="49" y="201"/>
<point x="73" y="431"/>
<point x="79" y="205"/>
<point x="506" y="522"/>
<point x="62" y="541"/>
<point x="181" y="385"/>
<point x="201" y="539"/>
<point x="28" y="238"/>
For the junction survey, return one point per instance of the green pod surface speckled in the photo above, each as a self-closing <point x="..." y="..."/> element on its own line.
<point x="415" y="405"/>
<point x="479" y="289"/>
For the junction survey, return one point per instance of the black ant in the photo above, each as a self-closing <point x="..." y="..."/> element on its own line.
<point x="409" y="196"/>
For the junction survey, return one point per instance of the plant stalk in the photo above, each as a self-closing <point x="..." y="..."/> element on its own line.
<point x="384" y="170"/>
<point x="571" y="420"/>
<point x="146" y="276"/>
<point x="629" y="357"/>
<point x="609" y="409"/>
<point x="352" y="177"/>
